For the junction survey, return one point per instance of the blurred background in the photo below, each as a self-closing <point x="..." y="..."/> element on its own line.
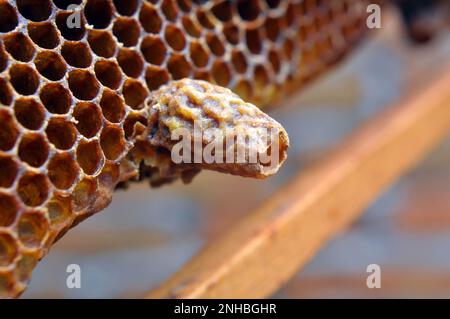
<point x="147" y="234"/>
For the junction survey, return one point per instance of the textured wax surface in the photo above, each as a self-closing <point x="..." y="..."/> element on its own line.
<point x="70" y="98"/>
<point x="221" y="116"/>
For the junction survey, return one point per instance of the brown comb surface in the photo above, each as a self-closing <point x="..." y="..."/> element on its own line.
<point x="74" y="101"/>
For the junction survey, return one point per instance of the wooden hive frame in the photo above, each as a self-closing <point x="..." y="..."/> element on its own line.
<point x="263" y="250"/>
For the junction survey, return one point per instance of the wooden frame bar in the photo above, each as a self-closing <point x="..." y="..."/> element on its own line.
<point x="262" y="251"/>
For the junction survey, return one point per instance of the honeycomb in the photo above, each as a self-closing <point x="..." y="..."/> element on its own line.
<point x="75" y="101"/>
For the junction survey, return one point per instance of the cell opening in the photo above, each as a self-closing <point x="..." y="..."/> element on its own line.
<point x="43" y="34"/>
<point x="33" y="189"/>
<point x="126" y="7"/>
<point x="76" y="54"/>
<point x="254" y="41"/>
<point x="261" y="78"/>
<point x="25" y="266"/>
<point x="8" y="251"/>
<point x="88" y="117"/>
<point x="51" y="65"/>
<point x="9" y="131"/>
<point x="221" y="73"/>
<point x="205" y="20"/>
<point x="8" y="17"/>
<point x="149" y="18"/>
<point x="175" y="38"/>
<point x="9" y="171"/>
<point x="223" y="11"/>
<point x="112" y="142"/>
<point x="179" y="67"/>
<point x="288" y="48"/>
<point x="290" y="15"/>
<point x="59" y="210"/>
<point x="248" y="10"/>
<point x="6" y="284"/>
<point x="155" y="77"/>
<point x="3" y="58"/>
<point x="231" y="33"/>
<point x="8" y="209"/>
<point x="130" y="123"/>
<point x="191" y="27"/>
<point x="239" y="61"/>
<point x="83" y="84"/>
<point x="130" y="62"/>
<point x="90" y="157"/>
<point x="64" y="4"/>
<point x="202" y="75"/>
<point x="19" y="46"/>
<point x="66" y="19"/>
<point x="61" y="133"/>
<point x="215" y="44"/>
<point x="154" y="50"/>
<point x="244" y="89"/>
<point x="83" y="194"/>
<point x="134" y="94"/>
<point x="55" y="98"/>
<point x="272" y="4"/>
<point x="6" y="94"/>
<point x="127" y="31"/>
<point x="184" y="5"/>
<point x="112" y="105"/>
<point x="275" y="61"/>
<point x="29" y="113"/>
<point x="24" y="79"/>
<point x="98" y="13"/>
<point x="272" y="28"/>
<point x="62" y="170"/>
<point x="33" y="149"/>
<point x="108" y="73"/>
<point x="35" y="10"/>
<point x="199" y="55"/>
<point x="102" y="43"/>
<point x="32" y="229"/>
<point x="109" y="176"/>
<point x="169" y="10"/>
